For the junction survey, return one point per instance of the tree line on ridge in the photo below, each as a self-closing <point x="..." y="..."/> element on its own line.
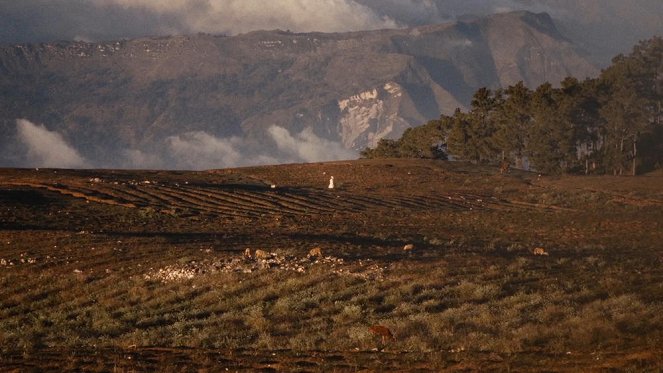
<point x="612" y="124"/>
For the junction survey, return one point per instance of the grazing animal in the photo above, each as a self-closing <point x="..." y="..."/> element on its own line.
<point x="408" y="248"/>
<point x="382" y="331"/>
<point x="505" y="167"/>
<point x="315" y="252"/>
<point x="540" y="251"/>
<point x="262" y="254"/>
<point x="331" y="183"/>
<point x="247" y="254"/>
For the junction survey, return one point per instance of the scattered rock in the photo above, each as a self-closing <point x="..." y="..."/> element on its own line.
<point x="409" y="247"/>
<point x="261" y="261"/>
<point x="171" y="273"/>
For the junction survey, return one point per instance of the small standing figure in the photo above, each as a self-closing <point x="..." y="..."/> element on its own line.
<point x="505" y="167"/>
<point x="331" y="183"/>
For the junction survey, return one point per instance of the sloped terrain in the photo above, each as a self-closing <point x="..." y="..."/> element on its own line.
<point x="112" y="100"/>
<point x="149" y="270"/>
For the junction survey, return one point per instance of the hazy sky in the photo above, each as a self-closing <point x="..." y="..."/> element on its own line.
<point x="603" y="27"/>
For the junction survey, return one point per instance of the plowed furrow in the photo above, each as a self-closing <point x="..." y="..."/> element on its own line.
<point x="229" y="204"/>
<point x="254" y="201"/>
<point x="284" y="200"/>
<point x="250" y="197"/>
<point x="170" y="201"/>
<point x="66" y="190"/>
<point x="428" y="203"/>
<point x="197" y="203"/>
<point x="307" y="202"/>
<point x="122" y="193"/>
<point x="101" y="193"/>
<point x="331" y="202"/>
<point x="155" y="199"/>
<point x="413" y="203"/>
<point x="196" y="198"/>
<point x="368" y="203"/>
<point x="489" y="202"/>
<point x="439" y="202"/>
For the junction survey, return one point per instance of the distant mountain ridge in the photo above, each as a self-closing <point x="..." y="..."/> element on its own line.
<point x="109" y="100"/>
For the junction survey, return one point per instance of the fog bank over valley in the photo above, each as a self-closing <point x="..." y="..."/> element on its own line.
<point x="40" y="147"/>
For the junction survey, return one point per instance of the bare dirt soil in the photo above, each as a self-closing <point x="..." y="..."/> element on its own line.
<point x="104" y="270"/>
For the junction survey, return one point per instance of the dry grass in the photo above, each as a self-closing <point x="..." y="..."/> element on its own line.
<point x="76" y="273"/>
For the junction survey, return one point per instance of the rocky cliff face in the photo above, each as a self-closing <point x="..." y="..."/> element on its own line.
<point x="108" y="100"/>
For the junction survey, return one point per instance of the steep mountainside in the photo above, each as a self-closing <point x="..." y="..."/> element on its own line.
<point x="130" y="103"/>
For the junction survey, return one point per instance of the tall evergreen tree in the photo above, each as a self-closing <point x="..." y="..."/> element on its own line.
<point x="632" y="108"/>
<point x="460" y="142"/>
<point x="513" y="120"/>
<point x="423" y="141"/>
<point x="484" y="124"/>
<point x="626" y="119"/>
<point x="551" y="146"/>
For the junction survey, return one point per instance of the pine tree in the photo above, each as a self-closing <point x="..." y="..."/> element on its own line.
<point x="423" y="141"/>
<point x="551" y="146"/>
<point x="632" y="109"/>
<point x="483" y="124"/>
<point x="513" y="120"/>
<point x="460" y="141"/>
<point x="386" y="148"/>
<point x="626" y="119"/>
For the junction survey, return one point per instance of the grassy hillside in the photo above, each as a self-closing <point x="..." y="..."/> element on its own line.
<point x="145" y="270"/>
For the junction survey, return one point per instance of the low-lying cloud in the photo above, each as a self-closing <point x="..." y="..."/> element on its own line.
<point x="46" y="148"/>
<point x="197" y="150"/>
<point x="200" y="150"/>
<point x="307" y="147"/>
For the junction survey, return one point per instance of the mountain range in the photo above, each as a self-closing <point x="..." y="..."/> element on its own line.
<point x="211" y="101"/>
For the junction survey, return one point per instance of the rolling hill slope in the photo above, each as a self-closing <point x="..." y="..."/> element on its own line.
<point x="132" y="103"/>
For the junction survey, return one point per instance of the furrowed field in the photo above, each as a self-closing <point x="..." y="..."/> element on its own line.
<point x="146" y="270"/>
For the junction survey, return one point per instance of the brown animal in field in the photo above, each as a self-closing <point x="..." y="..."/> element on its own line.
<point x="505" y="167"/>
<point x="247" y="254"/>
<point x="382" y="331"/>
<point x="315" y="252"/>
<point x="408" y="248"/>
<point x="540" y="251"/>
<point x="262" y="254"/>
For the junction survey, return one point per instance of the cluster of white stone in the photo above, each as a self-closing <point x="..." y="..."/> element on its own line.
<point x="171" y="273"/>
<point x="24" y="258"/>
<point x="261" y="260"/>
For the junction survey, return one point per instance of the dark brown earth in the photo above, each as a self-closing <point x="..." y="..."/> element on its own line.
<point x="83" y="256"/>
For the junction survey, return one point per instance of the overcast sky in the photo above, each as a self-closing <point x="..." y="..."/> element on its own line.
<point x="604" y="25"/>
<point x="603" y="28"/>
